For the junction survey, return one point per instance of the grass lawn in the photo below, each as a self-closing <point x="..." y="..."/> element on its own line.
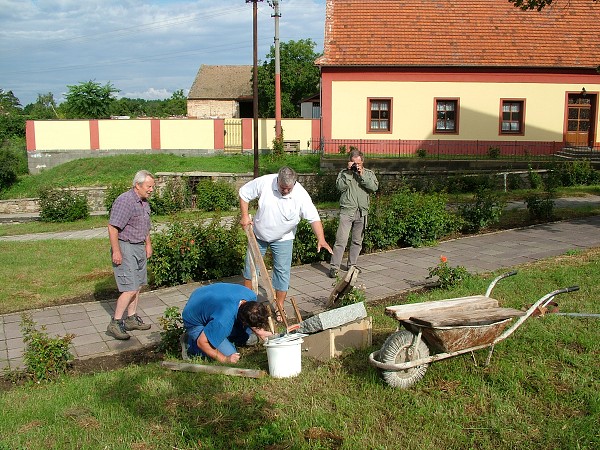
<point x="103" y="171"/>
<point x="542" y="390"/>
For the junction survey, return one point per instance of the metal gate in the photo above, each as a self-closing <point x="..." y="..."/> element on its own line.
<point x="233" y="135"/>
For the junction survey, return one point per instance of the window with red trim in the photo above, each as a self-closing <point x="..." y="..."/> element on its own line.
<point x="446" y="116"/>
<point x="380" y="115"/>
<point x="511" y="121"/>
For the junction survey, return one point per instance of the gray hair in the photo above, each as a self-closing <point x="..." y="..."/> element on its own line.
<point x="355" y="153"/>
<point x="141" y="176"/>
<point x="286" y="176"/>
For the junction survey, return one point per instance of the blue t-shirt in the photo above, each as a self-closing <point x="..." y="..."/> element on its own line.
<point x="215" y="307"/>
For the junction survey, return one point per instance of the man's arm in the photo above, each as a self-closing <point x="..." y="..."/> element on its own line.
<point x="113" y="236"/>
<point x="148" y="246"/>
<point x="213" y="353"/>
<point x="317" y="228"/>
<point x="245" y="219"/>
<point x="369" y="181"/>
<point x="263" y="334"/>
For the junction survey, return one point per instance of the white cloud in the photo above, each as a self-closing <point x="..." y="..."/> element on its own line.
<point x="142" y="47"/>
<point x="150" y="94"/>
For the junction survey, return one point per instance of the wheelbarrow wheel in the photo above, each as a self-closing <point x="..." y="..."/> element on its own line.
<point x="396" y="350"/>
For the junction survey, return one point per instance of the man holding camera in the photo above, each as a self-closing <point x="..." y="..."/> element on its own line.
<point x="356" y="185"/>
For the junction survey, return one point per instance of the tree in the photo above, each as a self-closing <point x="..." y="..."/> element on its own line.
<point x="9" y="104"/>
<point x="299" y="78"/>
<point x="43" y="108"/>
<point x="89" y="100"/>
<point x="176" y="105"/>
<point x="534" y="4"/>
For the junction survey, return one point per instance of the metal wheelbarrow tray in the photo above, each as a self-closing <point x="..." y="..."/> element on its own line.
<point x="445" y="328"/>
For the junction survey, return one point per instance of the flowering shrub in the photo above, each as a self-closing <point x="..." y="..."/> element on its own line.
<point x="448" y="276"/>
<point x="172" y="325"/>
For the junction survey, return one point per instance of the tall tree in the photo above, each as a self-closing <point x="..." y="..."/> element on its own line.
<point x="43" y="108"/>
<point x="89" y="100"/>
<point x="176" y="105"/>
<point x="9" y="104"/>
<point x="299" y="78"/>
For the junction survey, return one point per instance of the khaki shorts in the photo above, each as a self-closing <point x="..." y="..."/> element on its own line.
<point x="132" y="273"/>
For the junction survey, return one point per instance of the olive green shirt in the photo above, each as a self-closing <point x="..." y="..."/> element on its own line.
<point x="356" y="190"/>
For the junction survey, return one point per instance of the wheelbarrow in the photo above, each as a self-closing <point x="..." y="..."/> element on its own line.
<point x="442" y="329"/>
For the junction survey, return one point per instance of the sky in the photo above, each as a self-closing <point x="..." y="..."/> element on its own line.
<point x="145" y="48"/>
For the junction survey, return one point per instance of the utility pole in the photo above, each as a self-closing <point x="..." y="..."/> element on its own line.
<point x="277" y="15"/>
<point x="255" y="80"/>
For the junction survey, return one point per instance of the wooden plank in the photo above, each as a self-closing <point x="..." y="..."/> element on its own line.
<point x="344" y="286"/>
<point x="214" y="369"/>
<point x="296" y="310"/>
<point x="259" y="262"/>
<point x="466" y="318"/>
<point x="403" y="312"/>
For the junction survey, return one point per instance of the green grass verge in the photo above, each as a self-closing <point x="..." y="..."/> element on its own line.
<point x="103" y="171"/>
<point x="541" y="391"/>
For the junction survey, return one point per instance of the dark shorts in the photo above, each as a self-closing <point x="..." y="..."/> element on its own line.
<point x="132" y="273"/>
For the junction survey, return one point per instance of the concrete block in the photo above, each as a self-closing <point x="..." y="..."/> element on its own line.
<point x="333" y="318"/>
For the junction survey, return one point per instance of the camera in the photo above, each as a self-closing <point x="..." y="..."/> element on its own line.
<point x="354" y="168"/>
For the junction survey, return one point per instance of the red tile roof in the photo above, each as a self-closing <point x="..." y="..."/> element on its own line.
<point x="474" y="33"/>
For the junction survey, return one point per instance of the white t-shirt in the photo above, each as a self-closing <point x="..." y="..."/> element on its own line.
<point x="278" y="216"/>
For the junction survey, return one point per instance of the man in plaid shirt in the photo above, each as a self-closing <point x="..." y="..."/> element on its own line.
<point x="129" y="233"/>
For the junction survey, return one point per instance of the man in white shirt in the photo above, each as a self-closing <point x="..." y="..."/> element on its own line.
<point x="282" y="203"/>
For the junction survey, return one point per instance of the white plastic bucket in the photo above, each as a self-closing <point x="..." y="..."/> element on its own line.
<point x="284" y="358"/>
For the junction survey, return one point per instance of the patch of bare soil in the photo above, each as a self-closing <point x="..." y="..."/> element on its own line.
<point x="142" y="356"/>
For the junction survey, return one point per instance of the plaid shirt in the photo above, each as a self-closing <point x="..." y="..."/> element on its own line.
<point x="131" y="216"/>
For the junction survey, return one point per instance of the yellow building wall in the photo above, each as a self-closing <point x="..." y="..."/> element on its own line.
<point x="62" y="135"/>
<point x="187" y="134"/>
<point x="293" y="130"/>
<point x="124" y="134"/>
<point x="413" y="109"/>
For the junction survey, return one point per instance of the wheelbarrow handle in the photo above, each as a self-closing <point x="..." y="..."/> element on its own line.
<point x="498" y="278"/>
<point x="572" y="289"/>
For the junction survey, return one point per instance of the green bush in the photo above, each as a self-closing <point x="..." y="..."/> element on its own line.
<point x="46" y="358"/>
<point x="463" y="184"/>
<point x="12" y="125"/>
<point x="8" y="168"/>
<point x="576" y="173"/>
<point x="514" y="182"/>
<point x="324" y="189"/>
<point x="485" y="210"/>
<point x="493" y="152"/>
<point x="198" y="250"/>
<point x="173" y="197"/>
<point x="217" y="196"/>
<point x="278" y="146"/>
<point x="112" y="192"/>
<point x="540" y="206"/>
<point x="421" y="153"/>
<point x="62" y="205"/>
<point x="172" y="325"/>
<point x="305" y="242"/>
<point x="535" y="179"/>
<point x="408" y="219"/>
